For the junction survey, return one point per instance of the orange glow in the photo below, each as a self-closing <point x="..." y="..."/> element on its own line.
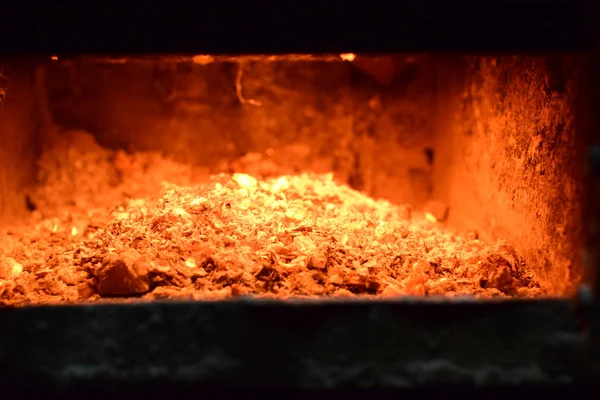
<point x="429" y="217"/>
<point x="348" y="57"/>
<point x="202" y="59"/>
<point x="288" y="176"/>
<point x="234" y="234"/>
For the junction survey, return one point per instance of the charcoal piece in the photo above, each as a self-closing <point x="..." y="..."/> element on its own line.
<point x="123" y="275"/>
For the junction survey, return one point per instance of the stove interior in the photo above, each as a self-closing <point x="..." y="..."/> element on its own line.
<point x="211" y="177"/>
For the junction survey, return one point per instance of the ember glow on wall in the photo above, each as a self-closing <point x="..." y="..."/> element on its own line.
<point x="288" y="177"/>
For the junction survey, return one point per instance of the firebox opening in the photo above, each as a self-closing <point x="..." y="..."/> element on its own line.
<point x="337" y="176"/>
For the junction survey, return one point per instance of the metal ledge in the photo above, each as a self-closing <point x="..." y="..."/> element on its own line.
<point x="171" y="27"/>
<point x="294" y="345"/>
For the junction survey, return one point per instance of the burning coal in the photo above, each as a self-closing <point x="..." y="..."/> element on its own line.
<point x="122" y="226"/>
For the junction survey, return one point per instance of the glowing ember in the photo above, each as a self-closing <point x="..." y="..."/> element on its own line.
<point x="9" y="268"/>
<point x="429" y="217"/>
<point x="295" y="235"/>
<point x="245" y="181"/>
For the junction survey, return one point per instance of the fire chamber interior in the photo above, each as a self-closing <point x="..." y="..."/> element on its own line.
<point x="369" y="176"/>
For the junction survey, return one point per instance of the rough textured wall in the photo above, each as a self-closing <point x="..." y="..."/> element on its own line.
<point x="19" y="124"/>
<point x="512" y="159"/>
<point x="394" y="133"/>
<point x="3" y="84"/>
<point x="146" y="107"/>
<point x="327" y="116"/>
<point x="373" y="136"/>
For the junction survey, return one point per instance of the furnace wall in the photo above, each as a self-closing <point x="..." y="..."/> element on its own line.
<point x="504" y="133"/>
<point x="511" y="155"/>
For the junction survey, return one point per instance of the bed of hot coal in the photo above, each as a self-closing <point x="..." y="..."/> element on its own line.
<point x="113" y="226"/>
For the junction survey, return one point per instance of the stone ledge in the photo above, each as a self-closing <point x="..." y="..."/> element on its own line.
<point x="299" y="344"/>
